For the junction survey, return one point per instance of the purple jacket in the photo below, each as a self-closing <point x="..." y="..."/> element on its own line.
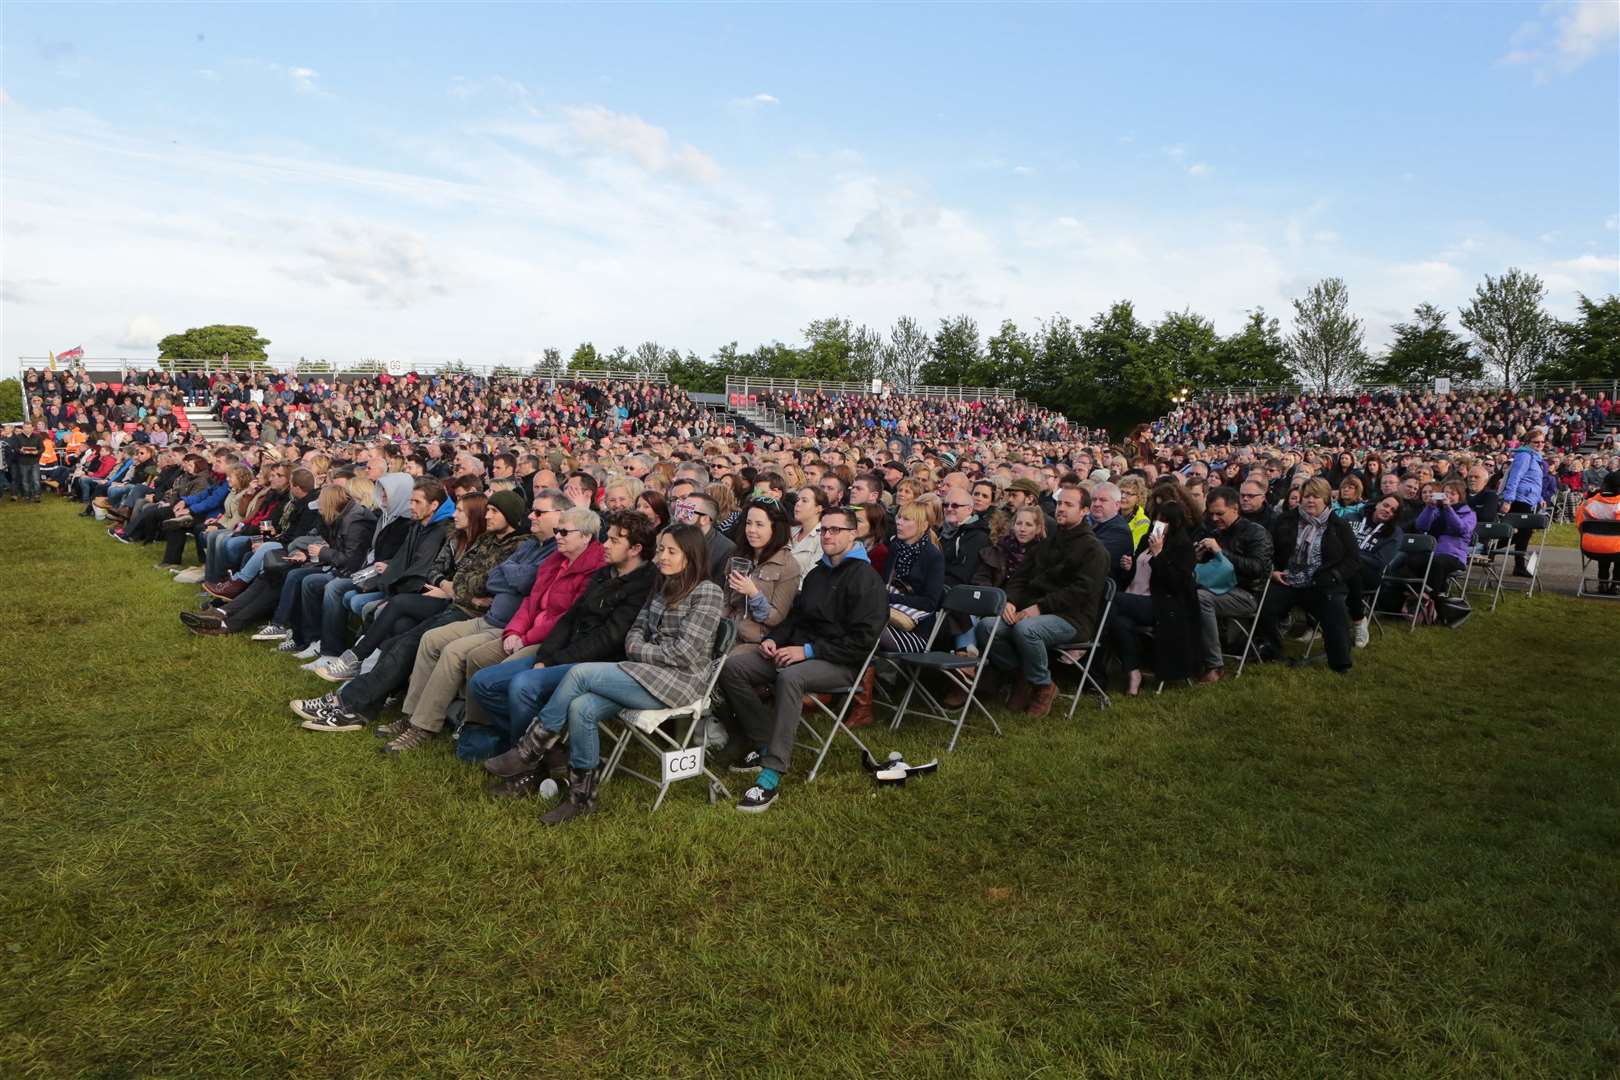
<point x="1451" y="526"/>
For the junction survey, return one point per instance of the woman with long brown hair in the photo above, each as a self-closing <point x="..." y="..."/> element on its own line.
<point x="667" y="654"/>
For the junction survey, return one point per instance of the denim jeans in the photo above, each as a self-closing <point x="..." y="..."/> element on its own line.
<point x="255" y="562"/>
<point x="1024" y="644"/>
<point x="589" y="694"/>
<point x="311" y="605"/>
<point x="132" y="496"/>
<point x="287" y="602"/>
<point x="512" y="693"/>
<point x="225" y="552"/>
<point x="26" y="470"/>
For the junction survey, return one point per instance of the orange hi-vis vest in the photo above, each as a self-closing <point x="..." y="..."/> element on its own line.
<point x="1598" y="519"/>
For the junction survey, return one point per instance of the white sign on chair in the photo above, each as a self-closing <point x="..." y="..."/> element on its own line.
<point x="681" y="764"/>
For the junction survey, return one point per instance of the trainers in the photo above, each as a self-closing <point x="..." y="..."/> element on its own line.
<point x="749" y="763"/>
<point x="288" y="646"/>
<point x="525" y="785"/>
<point x="203" y="618"/>
<point x="392" y="729"/>
<point x="757" y="800"/>
<point x="271" y="632"/>
<point x="339" y="670"/>
<point x="412" y="738"/>
<point x="307" y="652"/>
<point x="332" y="717"/>
<point x="319" y="661"/>
<point x="118" y="535"/>
<point x="1363" y="634"/>
<point x="309" y="708"/>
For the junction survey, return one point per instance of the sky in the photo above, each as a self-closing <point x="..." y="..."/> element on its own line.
<point x="426" y="182"/>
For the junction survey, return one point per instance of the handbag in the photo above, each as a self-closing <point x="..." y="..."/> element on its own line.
<point x="903" y="618"/>
<point x="1216" y="574"/>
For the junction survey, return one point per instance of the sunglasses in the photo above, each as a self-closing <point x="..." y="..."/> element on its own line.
<point x="567" y="532"/>
<point x="958" y="506"/>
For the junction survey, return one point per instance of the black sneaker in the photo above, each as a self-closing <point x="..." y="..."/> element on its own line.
<point x="332" y="717"/>
<point x="749" y="763"/>
<point x="757" y="800"/>
<point x="522" y="786"/>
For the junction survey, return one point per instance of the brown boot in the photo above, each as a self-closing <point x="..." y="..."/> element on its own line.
<point x="809" y="707"/>
<point x="860" y="712"/>
<point x="1018" y="700"/>
<point x="1041" y="703"/>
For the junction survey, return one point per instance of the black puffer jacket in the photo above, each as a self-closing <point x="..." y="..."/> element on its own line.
<point x="1247" y="546"/>
<point x="1341" y="558"/>
<point x="348" y="538"/>
<point x="961" y="550"/>
<point x="594" y="628"/>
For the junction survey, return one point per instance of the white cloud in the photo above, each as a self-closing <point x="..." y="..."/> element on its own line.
<point x="647" y="144"/>
<point x="1175" y="152"/>
<point x="143" y="332"/>
<point x="1023" y="170"/>
<point x="1568" y="34"/>
<point x="1199" y="168"/>
<point x="303" y="79"/>
<point x="764" y="99"/>
<point x="5" y="98"/>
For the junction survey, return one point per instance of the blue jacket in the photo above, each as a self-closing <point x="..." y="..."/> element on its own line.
<point x="209" y="502"/>
<point x="1526" y="478"/>
<point x="511" y="580"/>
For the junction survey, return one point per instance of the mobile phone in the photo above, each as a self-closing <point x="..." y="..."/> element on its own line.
<point x="1158" y="529"/>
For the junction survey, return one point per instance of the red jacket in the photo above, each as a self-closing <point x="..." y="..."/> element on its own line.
<point x="557" y="584"/>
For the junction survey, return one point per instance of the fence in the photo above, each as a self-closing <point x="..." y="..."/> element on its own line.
<point x="106" y="366"/>
<point x="747" y="384"/>
<point x="1529" y="389"/>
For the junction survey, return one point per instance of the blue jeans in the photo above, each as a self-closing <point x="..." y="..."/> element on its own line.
<point x="311" y="605"/>
<point x="512" y="693"/>
<point x="1024" y="644"/>
<point x="225" y="552"/>
<point x="255" y="562"/>
<point x="26" y="472"/>
<point x="291" y="593"/>
<point x="589" y="694"/>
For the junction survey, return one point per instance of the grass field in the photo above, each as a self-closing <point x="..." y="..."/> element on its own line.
<point x="1412" y="871"/>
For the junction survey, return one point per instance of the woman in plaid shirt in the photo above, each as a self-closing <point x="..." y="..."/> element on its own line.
<point x="668" y="650"/>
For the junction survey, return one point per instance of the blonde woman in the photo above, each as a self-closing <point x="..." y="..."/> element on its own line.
<point x="363" y="490"/>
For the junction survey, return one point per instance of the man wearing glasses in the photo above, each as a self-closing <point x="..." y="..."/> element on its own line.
<point x="1525" y="491"/>
<point x="700" y="510"/>
<point x="835" y="620"/>
<point x="1253" y="503"/>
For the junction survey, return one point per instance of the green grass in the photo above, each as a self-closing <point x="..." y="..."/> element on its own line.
<point x="1563" y="535"/>
<point x="1414" y="871"/>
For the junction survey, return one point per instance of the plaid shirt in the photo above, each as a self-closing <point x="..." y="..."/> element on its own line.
<point x="669" y="648"/>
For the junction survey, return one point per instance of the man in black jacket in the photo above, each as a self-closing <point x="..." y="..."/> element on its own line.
<point x="963" y="535"/>
<point x="510" y="695"/>
<point x="1254" y="502"/>
<point x="1247" y="546"/>
<point x="835" y="621"/>
<point x="1053" y="598"/>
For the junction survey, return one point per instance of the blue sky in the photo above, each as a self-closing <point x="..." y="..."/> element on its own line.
<point x="431" y="182"/>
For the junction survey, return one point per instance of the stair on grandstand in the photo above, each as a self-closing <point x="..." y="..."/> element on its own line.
<point x="1595" y="436"/>
<point x="767" y="420"/>
<point x="209" y="428"/>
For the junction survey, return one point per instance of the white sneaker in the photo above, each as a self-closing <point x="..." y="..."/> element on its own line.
<point x="1362" y="636"/>
<point x="309" y="652"/>
<point x="319" y="662"/>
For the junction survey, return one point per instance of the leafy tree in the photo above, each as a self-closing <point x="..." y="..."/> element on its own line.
<point x="241" y="343"/>
<point x="693" y="373"/>
<point x="550" y="363"/>
<point x="1254" y="356"/>
<point x="323" y="366"/>
<point x="828" y="351"/>
<point x="1326" y="346"/>
<point x="585" y="357"/>
<point x="650" y="358"/>
<point x="1182" y="350"/>
<point x="1056" y="353"/>
<point x="1591" y="343"/>
<point x="11" y="401"/>
<point x="1425" y="349"/>
<point x="1105" y="381"/>
<point x="619" y="359"/>
<point x="865" y="353"/>
<point x="1511" y="331"/>
<point x="905" y="354"/>
<point x="955" y="356"/>
<point x="1007" y="353"/>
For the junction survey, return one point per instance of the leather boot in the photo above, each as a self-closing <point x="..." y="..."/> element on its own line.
<point x="860" y="711"/>
<point x="1040" y="703"/>
<point x="581" y="798"/>
<point x="1018" y="700"/>
<point x="526" y="755"/>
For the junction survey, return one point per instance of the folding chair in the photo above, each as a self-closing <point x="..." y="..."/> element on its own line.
<point x="1417" y="547"/>
<point x="823" y="744"/>
<point x="1083" y="654"/>
<point x="1249" y="648"/>
<point x="646" y="727"/>
<point x="962" y="672"/>
<point x="1532" y="555"/>
<point x="1488" y="554"/>
<point x="1591" y="527"/>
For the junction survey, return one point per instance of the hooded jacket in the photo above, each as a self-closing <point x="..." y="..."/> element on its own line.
<point x="558" y="584"/>
<point x="1526" y="478"/>
<point x="839" y="612"/>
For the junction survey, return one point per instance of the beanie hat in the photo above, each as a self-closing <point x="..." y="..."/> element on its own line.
<point x="510" y="504"/>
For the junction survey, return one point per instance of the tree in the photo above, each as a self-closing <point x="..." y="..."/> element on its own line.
<point x="619" y="359"/>
<point x="693" y="373"/>
<point x="1425" y="349"/>
<point x="1326" y="345"/>
<point x="1056" y="355"/>
<point x="829" y="346"/>
<point x="1254" y="356"/>
<point x="241" y="343"/>
<point x="650" y="358"/>
<point x="865" y="353"/>
<point x="1181" y="353"/>
<point x="1006" y="354"/>
<point x="1111" y="366"/>
<point x="955" y="356"/>
<point x="1510" y="330"/>
<point x="323" y="366"/>
<point x="550" y="363"/>
<point x="1591" y="348"/>
<point x="905" y="354"/>
<point x="11" y="401"/>
<point x="585" y="357"/>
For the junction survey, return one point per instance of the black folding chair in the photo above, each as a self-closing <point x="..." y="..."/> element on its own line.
<point x="1082" y="655"/>
<point x="1532" y="555"/>
<point x="961" y="672"/>
<point x="1249" y="647"/>
<point x="1589" y="527"/>
<point x="1414" y="548"/>
<point x="1488" y="555"/>
<point x="822" y="744"/>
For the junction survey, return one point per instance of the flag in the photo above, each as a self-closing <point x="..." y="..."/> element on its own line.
<point x="75" y="353"/>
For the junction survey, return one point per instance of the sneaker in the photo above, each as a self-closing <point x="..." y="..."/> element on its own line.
<point x="271" y="632"/>
<point x="393" y="729"/>
<point x="749" y="763"/>
<point x="202" y="618"/>
<point x="193" y="576"/>
<point x="757" y="800"/>
<point x="333" y="717"/>
<point x="1362" y="633"/>
<point x="311" y="651"/>
<point x="525" y="785"/>
<point x="118" y="535"/>
<point x="289" y="646"/>
<point x="339" y="670"/>
<point x="412" y="738"/>
<point x="309" y="708"/>
<point x="319" y="662"/>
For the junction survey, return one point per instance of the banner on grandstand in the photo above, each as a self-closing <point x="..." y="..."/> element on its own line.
<point x="1442" y="385"/>
<point x="396" y="367"/>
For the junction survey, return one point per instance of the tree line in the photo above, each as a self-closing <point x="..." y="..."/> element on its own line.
<point x="1117" y="368"/>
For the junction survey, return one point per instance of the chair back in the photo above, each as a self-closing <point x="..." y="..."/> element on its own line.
<point x="1417" y="544"/>
<point x="978" y="601"/>
<point x="1497" y="532"/>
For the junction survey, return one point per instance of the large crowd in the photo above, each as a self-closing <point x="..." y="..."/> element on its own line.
<point x="518" y="563"/>
<point x="903" y="419"/>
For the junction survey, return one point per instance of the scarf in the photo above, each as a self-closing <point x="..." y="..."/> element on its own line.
<point x="1014" y="551"/>
<point x="1307" y="557"/>
<point x="902" y="557"/>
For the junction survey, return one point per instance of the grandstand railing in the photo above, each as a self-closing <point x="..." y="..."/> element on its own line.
<point x="123" y="365"/>
<point x="1458" y="386"/>
<point x="747" y="384"/>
